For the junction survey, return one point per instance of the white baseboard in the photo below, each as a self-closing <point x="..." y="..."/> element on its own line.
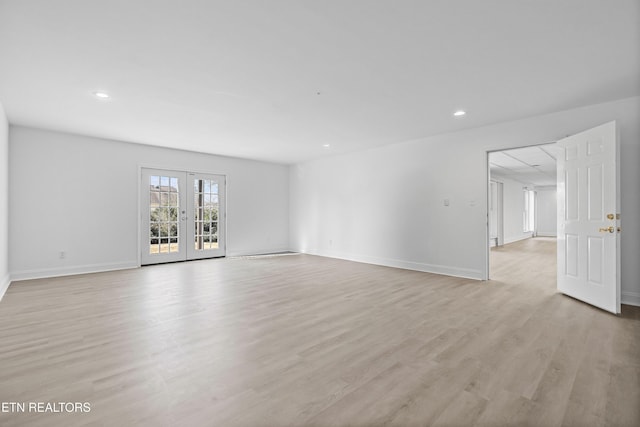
<point x="4" y="284"/>
<point x="249" y="252"/>
<point x="97" y="268"/>
<point x="514" y="239"/>
<point x="466" y="273"/>
<point x="71" y="270"/>
<point x="543" y="234"/>
<point x="630" y="298"/>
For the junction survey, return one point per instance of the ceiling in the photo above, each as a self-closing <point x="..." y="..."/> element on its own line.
<point x="532" y="166"/>
<point x="278" y="80"/>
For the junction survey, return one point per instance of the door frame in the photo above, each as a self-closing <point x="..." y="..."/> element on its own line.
<point x="487" y="242"/>
<point x="141" y="166"/>
<point x="487" y="275"/>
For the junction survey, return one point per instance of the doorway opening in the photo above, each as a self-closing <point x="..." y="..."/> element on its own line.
<point x="587" y="210"/>
<point x="522" y="201"/>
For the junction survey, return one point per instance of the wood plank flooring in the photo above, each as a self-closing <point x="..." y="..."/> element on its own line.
<point x="299" y="340"/>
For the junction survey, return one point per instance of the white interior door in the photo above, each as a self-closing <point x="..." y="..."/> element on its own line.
<point x="183" y="216"/>
<point x="588" y="217"/>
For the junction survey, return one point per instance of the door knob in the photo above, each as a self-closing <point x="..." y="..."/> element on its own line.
<point x="609" y="229"/>
<point x="610" y="216"/>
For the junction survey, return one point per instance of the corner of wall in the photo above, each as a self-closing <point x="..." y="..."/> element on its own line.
<point x="630" y="298"/>
<point x="4" y="285"/>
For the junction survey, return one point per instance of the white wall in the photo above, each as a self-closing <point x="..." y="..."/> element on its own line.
<point x="513" y="209"/>
<point x="4" y="202"/>
<point x="546" y="211"/>
<point x="79" y="194"/>
<point x="386" y="205"/>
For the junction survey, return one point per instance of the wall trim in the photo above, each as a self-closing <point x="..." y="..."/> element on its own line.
<point x="466" y="273"/>
<point x="545" y="234"/>
<point x="630" y="298"/>
<point x="42" y="273"/>
<point x="249" y="252"/>
<point x="4" y="284"/>
<point x="508" y="240"/>
<point x="627" y="298"/>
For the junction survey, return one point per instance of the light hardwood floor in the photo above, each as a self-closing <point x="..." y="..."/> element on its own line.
<point x="302" y="340"/>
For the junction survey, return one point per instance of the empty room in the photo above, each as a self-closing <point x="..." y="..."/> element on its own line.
<point x="319" y="213"/>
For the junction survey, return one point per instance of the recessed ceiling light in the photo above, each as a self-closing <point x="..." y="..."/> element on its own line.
<point x="326" y="145"/>
<point x="101" y="94"/>
<point x="459" y="113"/>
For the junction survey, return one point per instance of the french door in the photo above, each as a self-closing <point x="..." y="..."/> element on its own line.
<point x="182" y="216"/>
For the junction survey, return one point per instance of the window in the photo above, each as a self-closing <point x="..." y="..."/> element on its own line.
<point x="528" y="214"/>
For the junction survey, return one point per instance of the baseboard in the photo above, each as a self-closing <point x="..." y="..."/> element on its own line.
<point x="249" y="252"/>
<point x="466" y="273"/>
<point x="543" y="234"/>
<point x="4" y="284"/>
<point x="70" y="270"/>
<point x="508" y="240"/>
<point x="630" y="298"/>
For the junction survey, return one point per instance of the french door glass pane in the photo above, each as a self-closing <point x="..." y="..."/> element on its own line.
<point x="164" y="207"/>
<point x="206" y="208"/>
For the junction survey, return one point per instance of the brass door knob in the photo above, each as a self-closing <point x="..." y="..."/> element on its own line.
<point x="609" y="229"/>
